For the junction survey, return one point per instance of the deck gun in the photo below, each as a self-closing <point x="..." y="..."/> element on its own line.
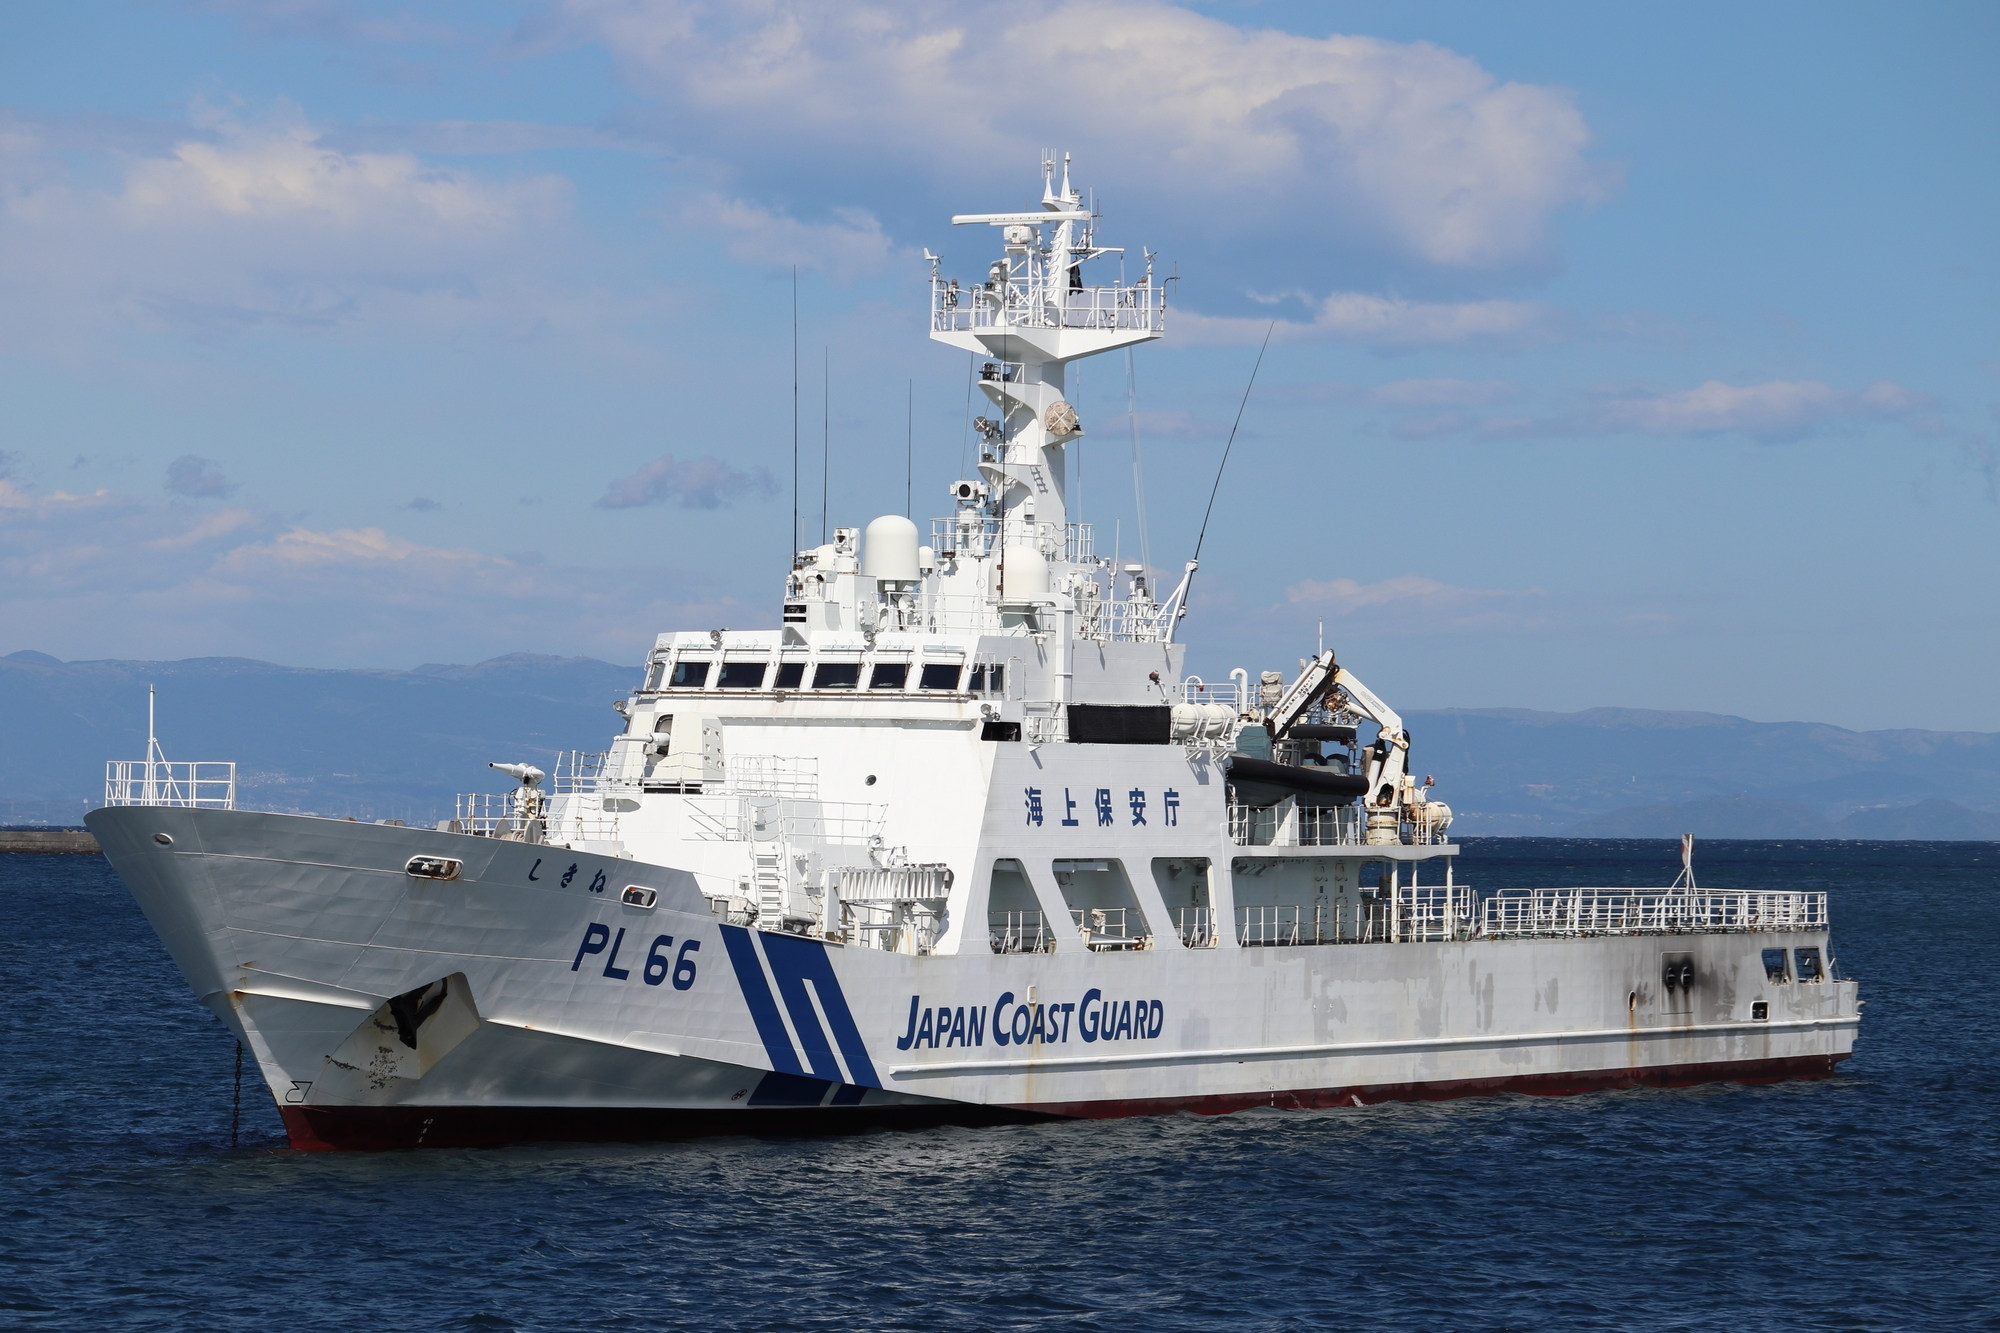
<point x="528" y="801"/>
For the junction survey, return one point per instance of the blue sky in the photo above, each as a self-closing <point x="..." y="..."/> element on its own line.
<point x="1622" y="356"/>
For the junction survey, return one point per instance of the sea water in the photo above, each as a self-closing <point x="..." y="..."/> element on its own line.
<point x="1869" y="1200"/>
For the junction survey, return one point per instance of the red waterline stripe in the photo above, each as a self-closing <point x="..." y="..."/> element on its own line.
<point x="373" y="1128"/>
<point x="1541" y="1085"/>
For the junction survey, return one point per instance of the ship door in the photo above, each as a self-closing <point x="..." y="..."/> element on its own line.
<point x="1677" y="983"/>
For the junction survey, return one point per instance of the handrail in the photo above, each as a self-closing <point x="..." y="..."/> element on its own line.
<point x="194" y="784"/>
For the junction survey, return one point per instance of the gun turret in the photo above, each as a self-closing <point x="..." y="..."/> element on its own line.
<point x="529" y="775"/>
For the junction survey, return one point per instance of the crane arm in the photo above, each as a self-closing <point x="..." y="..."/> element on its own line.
<point x="1389" y="758"/>
<point x="1306" y="691"/>
<point x="1321" y="676"/>
<point x="1369" y="706"/>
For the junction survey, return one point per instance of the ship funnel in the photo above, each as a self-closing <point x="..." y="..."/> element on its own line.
<point x="889" y="550"/>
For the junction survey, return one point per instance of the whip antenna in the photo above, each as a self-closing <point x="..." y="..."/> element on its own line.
<point x="793" y="553"/>
<point x="826" y="434"/>
<point x="1231" y="443"/>
<point x="1196" y="562"/>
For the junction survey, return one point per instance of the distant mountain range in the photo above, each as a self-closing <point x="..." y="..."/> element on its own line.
<point x="1755" y="817"/>
<point x="372" y="744"/>
<point x="1631" y="772"/>
<point x="401" y="744"/>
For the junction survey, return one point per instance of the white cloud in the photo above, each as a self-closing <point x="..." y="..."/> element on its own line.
<point x="1403" y="395"/>
<point x="1414" y="604"/>
<point x="285" y="174"/>
<point x="1406" y="146"/>
<point x="192" y="475"/>
<point x="1443" y="393"/>
<point x="1384" y="323"/>
<point x="89" y="575"/>
<point x="1775" y="410"/>
<point x="697" y="483"/>
<point x="246" y="224"/>
<point x="851" y="246"/>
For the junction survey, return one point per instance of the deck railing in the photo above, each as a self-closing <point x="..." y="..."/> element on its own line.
<point x="1106" y="928"/>
<point x="1195" y="926"/>
<point x="1024" y="304"/>
<point x="1455" y="912"/>
<point x="197" y="785"/>
<point x="970" y="535"/>
<point x="769" y="819"/>
<point x="1433" y="912"/>
<point x="1018" y="932"/>
<point x="579" y="772"/>
<point x="1297" y="826"/>
<point x="1565" y="912"/>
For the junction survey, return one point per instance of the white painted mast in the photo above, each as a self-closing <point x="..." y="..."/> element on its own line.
<point x="1032" y="316"/>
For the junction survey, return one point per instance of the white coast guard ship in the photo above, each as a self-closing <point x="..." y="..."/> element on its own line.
<point x="959" y="841"/>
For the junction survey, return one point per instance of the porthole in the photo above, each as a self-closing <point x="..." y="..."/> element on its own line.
<point x="637" y="895"/>
<point x="1632" y="1002"/>
<point x="433" y="867"/>
<point x="1760" y="1011"/>
<point x="164" y="839"/>
<point x="871" y="780"/>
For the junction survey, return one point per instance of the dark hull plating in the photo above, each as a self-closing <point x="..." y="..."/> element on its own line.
<point x="326" y="1128"/>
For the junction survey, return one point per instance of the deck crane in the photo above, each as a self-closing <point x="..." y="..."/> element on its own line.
<point x="1393" y="796"/>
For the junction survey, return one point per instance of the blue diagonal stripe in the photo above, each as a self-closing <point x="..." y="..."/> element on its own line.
<point x="795" y="961"/>
<point x="763" y="1009"/>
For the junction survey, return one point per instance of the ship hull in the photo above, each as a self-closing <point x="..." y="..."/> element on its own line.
<point x="522" y="999"/>
<point x="320" y="1129"/>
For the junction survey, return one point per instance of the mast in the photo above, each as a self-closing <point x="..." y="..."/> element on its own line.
<point x="1025" y="323"/>
<point x="1033" y="316"/>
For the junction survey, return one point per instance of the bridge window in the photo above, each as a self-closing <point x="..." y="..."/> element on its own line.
<point x="889" y="676"/>
<point x="741" y="675"/>
<point x="1807" y="961"/>
<point x="791" y="675"/>
<point x="939" y="676"/>
<point x="690" y="673"/>
<point x="1774" y="965"/>
<point x="837" y="676"/>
